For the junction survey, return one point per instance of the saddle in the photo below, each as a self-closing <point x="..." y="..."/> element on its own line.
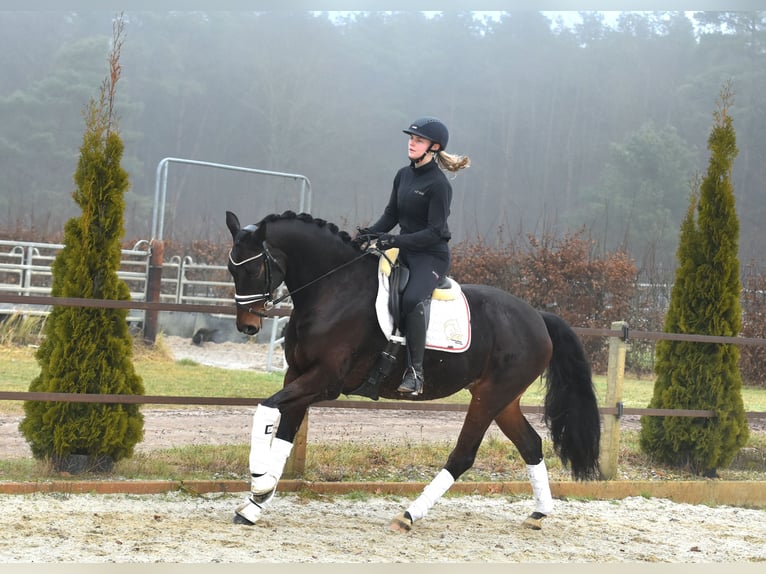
<point x="448" y="319"/>
<point x="398" y="275"/>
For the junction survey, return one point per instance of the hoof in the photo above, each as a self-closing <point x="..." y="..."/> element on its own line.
<point x="242" y="520"/>
<point x="247" y="513"/>
<point x="534" y="521"/>
<point x="402" y="523"/>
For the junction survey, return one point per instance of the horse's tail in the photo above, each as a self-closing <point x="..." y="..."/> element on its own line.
<point x="571" y="408"/>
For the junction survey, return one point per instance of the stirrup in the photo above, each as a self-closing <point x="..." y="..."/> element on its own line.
<point x="412" y="383"/>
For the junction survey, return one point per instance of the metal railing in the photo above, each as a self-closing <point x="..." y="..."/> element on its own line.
<point x="25" y="270"/>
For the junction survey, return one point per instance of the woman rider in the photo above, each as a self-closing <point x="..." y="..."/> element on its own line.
<point x="420" y="205"/>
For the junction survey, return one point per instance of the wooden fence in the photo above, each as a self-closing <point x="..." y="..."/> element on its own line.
<point x="612" y="411"/>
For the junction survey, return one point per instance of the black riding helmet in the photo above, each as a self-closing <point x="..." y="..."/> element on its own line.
<point x="430" y="128"/>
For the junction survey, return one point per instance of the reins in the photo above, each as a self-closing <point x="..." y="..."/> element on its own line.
<point x="317" y="279"/>
<point x="268" y="302"/>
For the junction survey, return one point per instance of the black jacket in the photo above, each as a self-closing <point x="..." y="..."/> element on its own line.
<point x="420" y="203"/>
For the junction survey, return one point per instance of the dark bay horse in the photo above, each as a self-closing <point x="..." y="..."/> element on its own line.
<point x="333" y="341"/>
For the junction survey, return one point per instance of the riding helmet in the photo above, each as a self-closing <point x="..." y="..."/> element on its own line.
<point x="430" y="128"/>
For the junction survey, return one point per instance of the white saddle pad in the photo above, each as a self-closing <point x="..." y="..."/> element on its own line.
<point x="449" y="325"/>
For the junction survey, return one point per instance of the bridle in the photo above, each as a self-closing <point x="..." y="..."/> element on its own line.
<point x="248" y="301"/>
<point x="269" y="302"/>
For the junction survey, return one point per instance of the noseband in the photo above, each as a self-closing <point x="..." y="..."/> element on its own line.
<point x="248" y="301"/>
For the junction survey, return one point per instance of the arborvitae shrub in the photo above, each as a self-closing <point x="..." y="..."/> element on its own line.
<point x="705" y="300"/>
<point x="89" y="350"/>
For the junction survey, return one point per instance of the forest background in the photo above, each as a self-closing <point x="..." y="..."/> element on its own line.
<point x="589" y="123"/>
<point x="582" y="121"/>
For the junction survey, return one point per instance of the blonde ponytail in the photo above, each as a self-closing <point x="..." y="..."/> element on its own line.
<point x="452" y="162"/>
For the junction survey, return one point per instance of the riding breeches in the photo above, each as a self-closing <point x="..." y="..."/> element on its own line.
<point x="426" y="270"/>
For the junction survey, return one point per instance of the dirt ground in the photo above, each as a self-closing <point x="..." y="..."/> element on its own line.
<point x="174" y="527"/>
<point x="178" y="527"/>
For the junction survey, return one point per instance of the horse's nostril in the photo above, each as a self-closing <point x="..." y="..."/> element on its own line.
<point x="249" y="329"/>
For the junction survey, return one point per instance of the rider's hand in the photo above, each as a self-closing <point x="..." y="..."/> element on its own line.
<point x="360" y="231"/>
<point x="386" y="241"/>
<point x="363" y="237"/>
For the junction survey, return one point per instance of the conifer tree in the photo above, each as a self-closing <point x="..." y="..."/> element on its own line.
<point x="705" y="301"/>
<point x="89" y="350"/>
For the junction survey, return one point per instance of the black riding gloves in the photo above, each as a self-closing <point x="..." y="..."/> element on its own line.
<point x="363" y="237"/>
<point x="386" y="241"/>
<point x="364" y="231"/>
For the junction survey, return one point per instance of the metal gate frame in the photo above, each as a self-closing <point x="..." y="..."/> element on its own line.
<point x="158" y="216"/>
<point x="161" y="187"/>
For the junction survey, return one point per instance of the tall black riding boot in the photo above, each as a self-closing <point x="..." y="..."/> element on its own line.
<point x="415" y="332"/>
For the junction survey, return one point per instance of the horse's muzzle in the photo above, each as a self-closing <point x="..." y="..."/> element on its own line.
<point x="248" y="323"/>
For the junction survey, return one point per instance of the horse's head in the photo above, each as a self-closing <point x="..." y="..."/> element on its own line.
<point x="256" y="272"/>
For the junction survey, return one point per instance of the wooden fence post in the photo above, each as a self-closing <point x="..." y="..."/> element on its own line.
<point x="610" y="438"/>
<point x="296" y="462"/>
<point x="153" y="290"/>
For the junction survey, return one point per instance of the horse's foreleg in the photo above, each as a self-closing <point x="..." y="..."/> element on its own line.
<point x="275" y="424"/>
<point x="265" y="423"/>
<point x="268" y="456"/>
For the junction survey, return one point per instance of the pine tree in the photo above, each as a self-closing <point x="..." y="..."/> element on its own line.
<point x="89" y="350"/>
<point x="704" y="300"/>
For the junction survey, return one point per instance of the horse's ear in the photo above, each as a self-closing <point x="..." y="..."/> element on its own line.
<point x="232" y="222"/>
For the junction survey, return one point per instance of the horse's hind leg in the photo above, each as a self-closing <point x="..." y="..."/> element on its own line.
<point x="517" y="428"/>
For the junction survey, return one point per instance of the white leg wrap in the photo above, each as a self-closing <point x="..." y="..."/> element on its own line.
<point x="431" y="493"/>
<point x="265" y="422"/>
<point x="280" y="451"/>
<point x="262" y="484"/>
<point x="267" y="482"/>
<point x="538" y="478"/>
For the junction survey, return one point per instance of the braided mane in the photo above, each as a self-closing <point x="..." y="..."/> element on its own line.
<point x="307" y="218"/>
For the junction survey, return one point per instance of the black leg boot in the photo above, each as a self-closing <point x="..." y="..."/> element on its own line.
<point x="415" y="332"/>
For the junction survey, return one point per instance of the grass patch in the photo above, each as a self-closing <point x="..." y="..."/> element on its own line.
<point x="161" y="375"/>
<point x="21" y="329"/>
<point x="204" y="462"/>
<point x="497" y="461"/>
<point x="165" y="377"/>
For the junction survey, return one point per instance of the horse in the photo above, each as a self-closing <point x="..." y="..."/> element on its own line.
<point x="333" y="341"/>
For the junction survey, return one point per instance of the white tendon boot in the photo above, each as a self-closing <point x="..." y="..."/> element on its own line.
<point x="262" y="483"/>
<point x="280" y="451"/>
<point x="423" y="503"/>
<point x="265" y="422"/>
<point x="538" y="478"/>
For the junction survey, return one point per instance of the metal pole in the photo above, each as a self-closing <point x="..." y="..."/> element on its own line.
<point x="161" y="185"/>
